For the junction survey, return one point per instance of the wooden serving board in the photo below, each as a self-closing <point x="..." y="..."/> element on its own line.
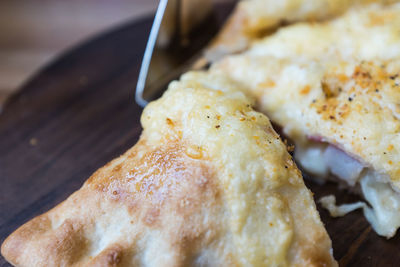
<point x="79" y="113"/>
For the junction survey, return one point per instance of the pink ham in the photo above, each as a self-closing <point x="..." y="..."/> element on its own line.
<point x="339" y="162"/>
<point x="343" y="165"/>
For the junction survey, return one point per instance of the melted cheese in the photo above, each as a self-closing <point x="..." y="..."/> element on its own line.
<point x="329" y="203"/>
<point x="384" y="213"/>
<point x="311" y="158"/>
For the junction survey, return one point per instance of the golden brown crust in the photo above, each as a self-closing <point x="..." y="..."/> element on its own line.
<point x="112" y="256"/>
<point x="12" y="247"/>
<point x="209" y="183"/>
<point x="253" y="19"/>
<point x="160" y="182"/>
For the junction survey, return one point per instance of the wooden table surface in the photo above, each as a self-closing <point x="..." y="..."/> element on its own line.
<point x="33" y="33"/>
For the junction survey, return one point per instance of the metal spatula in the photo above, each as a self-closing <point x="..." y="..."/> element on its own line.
<point x="181" y="29"/>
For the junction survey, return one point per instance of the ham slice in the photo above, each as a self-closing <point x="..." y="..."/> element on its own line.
<point x="342" y="165"/>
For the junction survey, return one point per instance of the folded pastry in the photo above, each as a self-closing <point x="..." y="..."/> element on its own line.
<point x="208" y="184"/>
<point x="334" y="89"/>
<point x="252" y="19"/>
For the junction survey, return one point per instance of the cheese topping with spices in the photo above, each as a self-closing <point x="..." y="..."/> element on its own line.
<point x="335" y="83"/>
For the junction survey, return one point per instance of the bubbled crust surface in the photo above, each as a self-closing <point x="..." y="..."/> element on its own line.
<point x="252" y="19"/>
<point x="337" y="80"/>
<point x="208" y="184"/>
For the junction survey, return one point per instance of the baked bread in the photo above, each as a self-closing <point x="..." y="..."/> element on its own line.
<point x="253" y="19"/>
<point x="209" y="183"/>
<point x="334" y="89"/>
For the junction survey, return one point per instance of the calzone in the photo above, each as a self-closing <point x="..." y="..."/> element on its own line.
<point x="209" y="183"/>
<point x="253" y="19"/>
<point x="334" y="88"/>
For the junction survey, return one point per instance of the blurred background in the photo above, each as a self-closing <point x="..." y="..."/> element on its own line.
<point x="33" y="33"/>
